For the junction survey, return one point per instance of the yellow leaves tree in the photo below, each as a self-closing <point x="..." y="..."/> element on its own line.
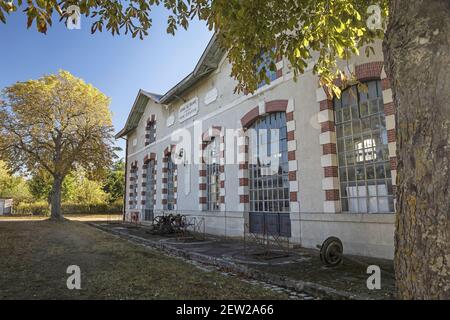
<point x="54" y="124"/>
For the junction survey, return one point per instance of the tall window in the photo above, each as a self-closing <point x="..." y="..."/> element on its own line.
<point x="268" y="175"/>
<point x="133" y="188"/>
<point x="212" y="153"/>
<point x="362" y="146"/>
<point x="150" y="132"/>
<point x="150" y="187"/>
<point x="171" y="166"/>
<point x="266" y="64"/>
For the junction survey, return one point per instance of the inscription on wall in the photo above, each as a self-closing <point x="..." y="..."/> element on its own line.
<point x="188" y="110"/>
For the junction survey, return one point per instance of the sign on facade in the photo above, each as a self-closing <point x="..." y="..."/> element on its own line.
<point x="188" y="110"/>
<point x="211" y="96"/>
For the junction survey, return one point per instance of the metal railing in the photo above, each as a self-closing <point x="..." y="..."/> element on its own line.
<point x="273" y="244"/>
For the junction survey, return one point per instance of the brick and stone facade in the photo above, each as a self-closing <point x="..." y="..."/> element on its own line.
<point x="330" y="182"/>
<point x="151" y="157"/>
<point x="315" y="208"/>
<point x="150" y="133"/>
<point x="168" y="152"/>
<point x="216" y="132"/>
<point x="264" y="108"/>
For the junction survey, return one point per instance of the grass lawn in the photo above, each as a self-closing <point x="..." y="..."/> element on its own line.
<point x="35" y="256"/>
<point x="74" y="217"/>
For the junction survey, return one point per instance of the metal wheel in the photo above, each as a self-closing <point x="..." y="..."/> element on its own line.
<point x="331" y="251"/>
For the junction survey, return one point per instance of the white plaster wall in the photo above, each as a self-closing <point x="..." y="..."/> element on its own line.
<point x="363" y="234"/>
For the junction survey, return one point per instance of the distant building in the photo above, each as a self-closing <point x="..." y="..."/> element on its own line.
<point x="286" y="160"/>
<point x="6" y="206"/>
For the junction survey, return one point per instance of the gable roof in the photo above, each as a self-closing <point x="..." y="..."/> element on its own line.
<point x="209" y="61"/>
<point x="137" y="111"/>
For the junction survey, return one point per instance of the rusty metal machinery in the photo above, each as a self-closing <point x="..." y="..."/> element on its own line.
<point x="331" y="251"/>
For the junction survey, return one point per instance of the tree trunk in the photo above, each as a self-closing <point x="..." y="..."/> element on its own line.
<point x="417" y="61"/>
<point x="56" y="199"/>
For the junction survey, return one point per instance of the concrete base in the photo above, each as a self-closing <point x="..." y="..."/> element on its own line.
<point x="370" y="235"/>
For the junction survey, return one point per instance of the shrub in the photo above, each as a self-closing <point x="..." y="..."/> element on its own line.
<point x="43" y="209"/>
<point x="92" y="208"/>
<point x="32" y="209"/>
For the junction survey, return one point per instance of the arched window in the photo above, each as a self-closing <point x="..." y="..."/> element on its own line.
<point x="150" y="172"/>
<point x="150" y="131"/>
<point x="133" y="188"/>
<point x="211" y="154"/>
<point x="171" y="167"/>
<point x="362" y="147"/>
<point x="268" y="175"/>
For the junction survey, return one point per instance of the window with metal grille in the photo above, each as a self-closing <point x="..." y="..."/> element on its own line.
<point x="133" y="189"/>
<point x="268" y="165"/>
<point x="267" y="64"/>
<point x="150" y="132"/>
<point x="171" y="167"/>
<point x="362" y="147"/>
<point x="212" y="153"/>
<point x="150" y="185"/>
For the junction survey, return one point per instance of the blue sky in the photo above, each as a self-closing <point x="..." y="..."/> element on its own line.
<point x="119" y="66"/>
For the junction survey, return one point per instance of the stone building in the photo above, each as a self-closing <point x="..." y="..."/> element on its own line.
<point x="285" y="160"/>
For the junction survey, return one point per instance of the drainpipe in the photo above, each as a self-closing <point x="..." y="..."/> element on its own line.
<point x="126" y="179"/>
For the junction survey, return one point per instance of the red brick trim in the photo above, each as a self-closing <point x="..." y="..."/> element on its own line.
<point x="151" y="119"/>
<point x="393" y="162"/>
<point x="326" y="105"/>
<point x="290" y="136"/>
<point x="169" y="150"/>
<point x="270" y="107"/>
<point x="292" y="175"/>
<point x="250" y="117"/>
<point x="243" y="166"/>
<point x="276" y="106"/>
<point x="291" y="155"/>
<point x="391" y="135"/>
<point x="293" y="196"/>
<point x="385" y="84"/>
<point x="331" y="171"/>
<point x="149" y="157"/>
<point x="369" y="71"/>
<point x="243" y="198"/>
<point x="329" y="148"/>
<point x="289" y="116"/>
<point x="243" y="182"/>
<point x="332" y="195"/>
<point x="206" y="136"/>
<point x="389" y="109"/>
<point x="247" y="120"/>
<point x="327" y="126"/>
<point x="164" y="179"/>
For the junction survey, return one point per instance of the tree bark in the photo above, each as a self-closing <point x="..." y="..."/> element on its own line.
<point x="417" y="62"/>
<point x="56" y="198"/>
